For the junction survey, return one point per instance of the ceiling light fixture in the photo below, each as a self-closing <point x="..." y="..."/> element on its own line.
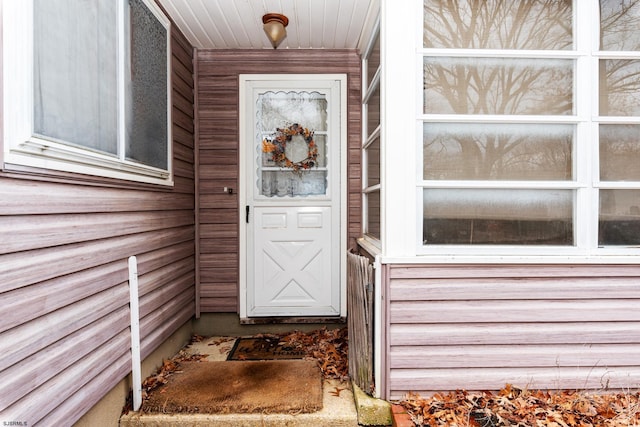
<point x="274" y="27"/>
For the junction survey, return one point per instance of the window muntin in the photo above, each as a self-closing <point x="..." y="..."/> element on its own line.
<point x="76" y="106"/>
<point x="512" y="111"/>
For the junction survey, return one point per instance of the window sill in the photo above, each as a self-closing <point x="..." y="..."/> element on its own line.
<point x="59" y="158"/>
<point x="515" y="259"/>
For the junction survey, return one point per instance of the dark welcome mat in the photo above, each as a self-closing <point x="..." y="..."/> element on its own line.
<point x="264" y="349"/>
<point x="272" y="386"/>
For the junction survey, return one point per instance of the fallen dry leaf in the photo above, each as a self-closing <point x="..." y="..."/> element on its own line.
<point x="514" y="407"/>
<point x="336" y="391"/>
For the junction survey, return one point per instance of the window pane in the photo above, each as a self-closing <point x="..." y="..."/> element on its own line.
<point x="459" y="151"/>
<point x="373" y="61"/>
<point x="373" y="214"/>
<point x="498" y="24"/>
<point x="619" y="222"/>
<point x="493" y="216"/>
<point x="373" y="163"/>
<point x="619" y="23"/>
<point x="620" y="152"/>
<point x="373" y="111"/>
<point x="498" y="86"/>
<point x="619" y="87"/>
<point x="147" y="98"/>
<point x="75" y="87"/>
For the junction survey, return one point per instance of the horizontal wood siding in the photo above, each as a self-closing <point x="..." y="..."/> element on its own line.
<point x="218" y="139"/>
<point x="64" y="332"/>
<point x="480" y="327"/>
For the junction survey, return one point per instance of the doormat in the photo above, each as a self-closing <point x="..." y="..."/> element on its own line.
<point x="273" y="386"/>
<point x="264" y="349"/>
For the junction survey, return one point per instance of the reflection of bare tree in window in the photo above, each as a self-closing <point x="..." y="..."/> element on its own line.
<point x="503" y="86"/>
<point x="619" y="78"/>
<point x="498" y="24"/>
<point x="619" y="23"/>
<point x="619" y="87"/>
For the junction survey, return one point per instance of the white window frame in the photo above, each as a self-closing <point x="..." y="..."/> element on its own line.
<point x="22" y="149"/>
<point x="370" y="135"/>
<point x="405" y="119"/>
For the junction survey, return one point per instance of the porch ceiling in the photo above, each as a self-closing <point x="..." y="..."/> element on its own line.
<point x="237" y="24"/>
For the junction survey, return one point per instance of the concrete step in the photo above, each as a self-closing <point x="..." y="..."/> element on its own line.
<point x="337" y="411"/>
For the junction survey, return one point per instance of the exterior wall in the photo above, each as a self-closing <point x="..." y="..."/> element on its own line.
<point x="478" y="327"/>
<point x="218" y="139"/>
<point x="64" y="330"/>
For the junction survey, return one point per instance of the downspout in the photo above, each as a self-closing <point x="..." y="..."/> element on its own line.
<point x="134" y="309"/>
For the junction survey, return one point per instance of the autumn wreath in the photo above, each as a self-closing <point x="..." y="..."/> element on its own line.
<point x="277" y="145"/>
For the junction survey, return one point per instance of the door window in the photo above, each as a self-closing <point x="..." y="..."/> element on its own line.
<point x="291" y="144"/>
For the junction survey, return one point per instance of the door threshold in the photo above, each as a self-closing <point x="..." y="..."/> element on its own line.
<point x="287" y="319"/>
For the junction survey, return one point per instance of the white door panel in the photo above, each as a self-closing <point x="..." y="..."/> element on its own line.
<point x="293" y="262"/>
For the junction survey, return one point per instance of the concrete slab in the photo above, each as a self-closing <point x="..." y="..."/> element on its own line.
<point x="338" y="410"/>
<point x="371" y="411"/>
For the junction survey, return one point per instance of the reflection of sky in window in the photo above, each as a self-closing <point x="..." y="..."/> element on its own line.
<point x="498" y="203"/>
<point x="513" y="129"/>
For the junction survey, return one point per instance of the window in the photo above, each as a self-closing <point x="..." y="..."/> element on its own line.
<point x="91" y="81"/>
<point x="530" y="124"/>
<point x="371" y="145"/>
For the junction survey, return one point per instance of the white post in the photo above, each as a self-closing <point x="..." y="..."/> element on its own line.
<point x="377" y="324"/>
<point x="136" y="367"/>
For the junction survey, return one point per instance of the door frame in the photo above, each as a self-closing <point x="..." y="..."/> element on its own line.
<point x="244" y="116"/>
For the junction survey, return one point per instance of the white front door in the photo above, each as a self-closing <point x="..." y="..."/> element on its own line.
<point x="293" y="144"/>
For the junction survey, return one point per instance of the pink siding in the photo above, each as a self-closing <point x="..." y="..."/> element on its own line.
<point x="218" y="138"/>
<point x="479" y="327"/>
<point x="64" y="337"/>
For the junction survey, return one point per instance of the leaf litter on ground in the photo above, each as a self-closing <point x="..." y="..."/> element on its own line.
<point x="515" y="407"/>
<point x="328" y="347"/>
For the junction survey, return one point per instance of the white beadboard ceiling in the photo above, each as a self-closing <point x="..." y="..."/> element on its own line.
<point x="237" y="24"/>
